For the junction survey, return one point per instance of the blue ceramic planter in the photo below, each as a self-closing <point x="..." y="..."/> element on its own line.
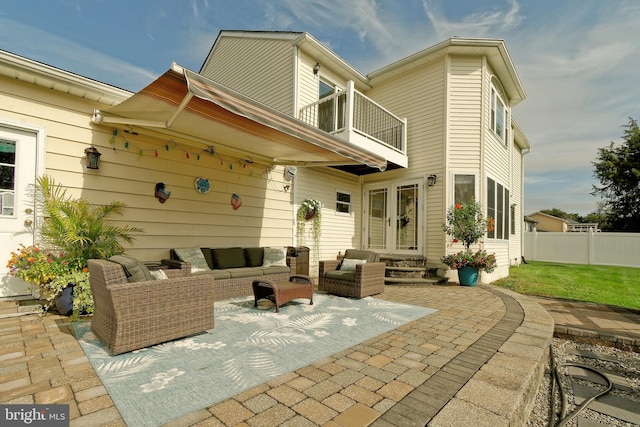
<point x="468" y="276"/>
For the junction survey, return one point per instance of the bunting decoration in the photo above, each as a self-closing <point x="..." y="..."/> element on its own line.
<point x="189" y="153"/>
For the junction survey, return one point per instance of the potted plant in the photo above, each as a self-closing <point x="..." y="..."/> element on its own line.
<point x="52" y="273"/>
<point x="310" y="210"/>
<point x="466" y="224"/>
<point x="76" y="231"/>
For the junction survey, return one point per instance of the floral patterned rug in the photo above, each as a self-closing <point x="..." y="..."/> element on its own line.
<point x="247" y="347"/>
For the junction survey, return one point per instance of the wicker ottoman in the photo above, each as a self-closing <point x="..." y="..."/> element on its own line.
<point x="298" y="286"/>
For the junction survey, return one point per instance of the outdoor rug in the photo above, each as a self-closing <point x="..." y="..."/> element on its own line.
<point x="247" y="347"/>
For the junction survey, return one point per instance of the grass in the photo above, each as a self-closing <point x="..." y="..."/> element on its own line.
<point x="618" y="286"/>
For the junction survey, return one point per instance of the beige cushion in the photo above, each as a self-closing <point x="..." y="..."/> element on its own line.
<point x="370" y="256"/>
<point x="135" y="270"/>
<point x="349" y="264"/>
<point x="274" y="257"/>
<point x="194" y="256"/>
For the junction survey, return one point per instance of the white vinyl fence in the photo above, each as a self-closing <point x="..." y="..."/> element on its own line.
<point x="618" y="249"/>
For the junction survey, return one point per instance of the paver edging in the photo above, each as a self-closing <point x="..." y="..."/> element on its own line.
<point x="534" y="321"/>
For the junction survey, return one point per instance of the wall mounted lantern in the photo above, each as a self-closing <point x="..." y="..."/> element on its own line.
<point x="431" y="180"/>
<point x="316" y="68"/>
<point x="93" y="157"/>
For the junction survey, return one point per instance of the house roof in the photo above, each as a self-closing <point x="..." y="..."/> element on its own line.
<point x="184" y="103"/>
<point x="494" y="49"/>
<point x="548" y="216"/>
<point x="47" y="76"/>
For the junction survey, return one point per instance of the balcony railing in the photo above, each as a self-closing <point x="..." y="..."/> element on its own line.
<point x="351" y="111"/>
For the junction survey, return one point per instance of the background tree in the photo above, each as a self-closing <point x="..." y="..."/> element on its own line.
<point x="559" y="213"/>
<point x="618" y="170"/>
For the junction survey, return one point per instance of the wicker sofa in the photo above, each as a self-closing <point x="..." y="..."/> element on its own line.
<point x="132" y="315"/>
<point x="234" y="269"/>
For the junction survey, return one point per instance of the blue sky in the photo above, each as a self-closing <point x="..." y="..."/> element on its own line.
<point x="578" y="60"/>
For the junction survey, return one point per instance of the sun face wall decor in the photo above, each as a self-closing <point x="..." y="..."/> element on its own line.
<point x="202" y="185"/>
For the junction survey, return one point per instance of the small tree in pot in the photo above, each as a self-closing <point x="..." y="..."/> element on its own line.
<point x="466" y="224"/>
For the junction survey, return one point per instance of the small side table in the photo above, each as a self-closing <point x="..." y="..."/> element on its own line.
<point x="298" y="286"/>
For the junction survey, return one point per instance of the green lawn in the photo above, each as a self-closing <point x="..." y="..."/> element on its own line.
<point x="619" y="286"/>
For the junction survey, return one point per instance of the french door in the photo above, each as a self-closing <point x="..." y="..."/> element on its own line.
<point x="393" y="217"/>
<point x="19" y="154"/>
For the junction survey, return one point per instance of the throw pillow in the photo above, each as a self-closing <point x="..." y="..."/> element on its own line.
<point x="159" y="275"/>
<point x="228" y="257"/>
<point x="135" y="270"/>
<point x="275" y="257"/>
<point x="349" y="264"/>
<point x="195" y="257"/>
<point x="254" y="256"/>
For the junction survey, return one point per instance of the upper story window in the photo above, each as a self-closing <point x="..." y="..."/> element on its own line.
<point x="498" y="119"/>
<point x="325" y="89"/>
<point x="498" y="208"/>
<point x="343" y="202"/>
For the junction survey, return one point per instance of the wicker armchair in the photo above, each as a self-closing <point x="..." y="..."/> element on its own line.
<point x="129" y="316"/>
<point x="366" y="279"/>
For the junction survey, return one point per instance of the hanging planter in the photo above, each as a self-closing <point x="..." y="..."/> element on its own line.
<point x="309" y="212"/>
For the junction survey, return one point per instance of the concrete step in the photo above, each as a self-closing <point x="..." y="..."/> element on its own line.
<point x="401" y="281"/>
<point x="19" y="308"/>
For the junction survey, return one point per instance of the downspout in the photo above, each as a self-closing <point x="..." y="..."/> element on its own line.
<point x="294" y="180"/>
<point x="523" y="153"/>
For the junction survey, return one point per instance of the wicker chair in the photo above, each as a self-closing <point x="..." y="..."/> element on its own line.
<point x="129" y="316"/>
<point x="366" y="279"/>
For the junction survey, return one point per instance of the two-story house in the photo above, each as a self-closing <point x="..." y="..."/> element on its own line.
<point x="441" y="118"/>
<point x="273" y="118"/>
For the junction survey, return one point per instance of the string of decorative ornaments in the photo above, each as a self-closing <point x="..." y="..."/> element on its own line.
<point x="117" y="135"/>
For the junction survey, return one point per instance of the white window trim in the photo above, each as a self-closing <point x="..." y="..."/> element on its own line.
<point x="496" y="95"/>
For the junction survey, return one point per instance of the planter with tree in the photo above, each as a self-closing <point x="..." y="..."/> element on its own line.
<point x="466" y="224"/>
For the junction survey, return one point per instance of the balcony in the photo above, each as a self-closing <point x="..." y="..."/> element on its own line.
<point x="351" y="116"/>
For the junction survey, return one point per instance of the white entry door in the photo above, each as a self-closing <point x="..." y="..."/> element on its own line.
<point x="18" y="167"/>
<point x="393" y="217"/>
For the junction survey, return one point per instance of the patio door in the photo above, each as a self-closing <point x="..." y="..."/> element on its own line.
<point x="393" y="219"/>
<point x="18" y="168"/>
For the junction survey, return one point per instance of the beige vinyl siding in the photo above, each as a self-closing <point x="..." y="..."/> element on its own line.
<point x="187" y="218"/>
<point x="465" y="113"/>
<point x="339" y="231"/>
<point x="498" y="157"/>
<point x="419" y="95"/>
<point x="261" y="69"/>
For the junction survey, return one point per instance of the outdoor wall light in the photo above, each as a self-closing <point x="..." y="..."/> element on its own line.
<point x="431" y="180"/>
<point x="93" y="157"/>
<point x="316" y="68"/>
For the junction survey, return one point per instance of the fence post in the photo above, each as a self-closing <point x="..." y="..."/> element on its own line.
<point x="590" y="247"/>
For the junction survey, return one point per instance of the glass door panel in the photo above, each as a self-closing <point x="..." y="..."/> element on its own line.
<point x="377" y="218"/>
<point x="406" y="217"/>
